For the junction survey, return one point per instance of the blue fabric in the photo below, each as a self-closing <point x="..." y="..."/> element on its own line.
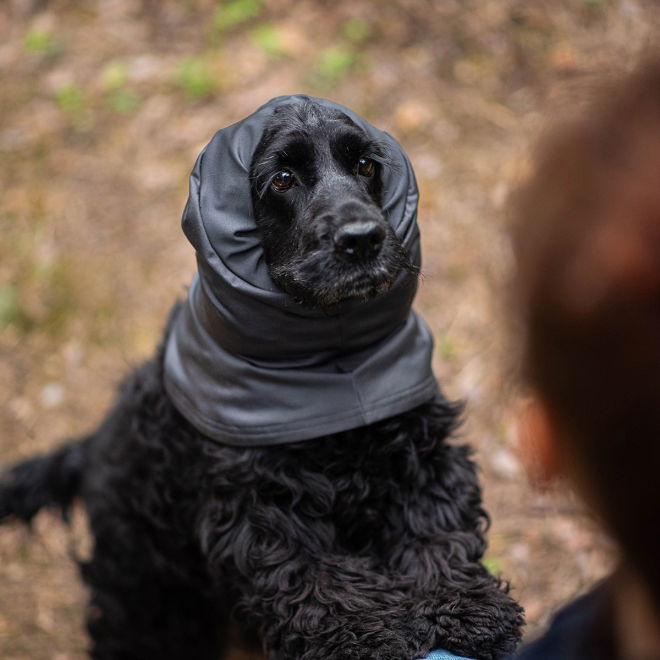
<point x="444" y="655"/>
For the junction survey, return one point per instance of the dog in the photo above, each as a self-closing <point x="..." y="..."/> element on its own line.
<point x="282" y="463"/>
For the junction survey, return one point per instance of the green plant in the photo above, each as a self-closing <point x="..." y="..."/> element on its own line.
<point x="123" y="101"/>
<point x="492" y="564"/>
<point x="266" y="38"/>
<point x="355" y="29"/>
<point x="114" y="75"/>
<point x="40" y="42"/>
<point x="235" y="12"/>
<point x="72" y="101"/>
<point x="337" y="60"/>
<point x="333" y="64"/>
<point x="113" y="80"/>
<point x="195" y="78"/>
<point x="446" y="347"/>
<point x="10" y="310"/>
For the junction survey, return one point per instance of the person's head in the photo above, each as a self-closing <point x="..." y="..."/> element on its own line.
<point x="586" y="238"/>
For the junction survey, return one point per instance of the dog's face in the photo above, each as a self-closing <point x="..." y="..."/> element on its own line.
<point x="316" y="191"/>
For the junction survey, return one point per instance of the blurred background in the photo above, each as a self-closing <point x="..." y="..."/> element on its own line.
<point x="104" y="106"/>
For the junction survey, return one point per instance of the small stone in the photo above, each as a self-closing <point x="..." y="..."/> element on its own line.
<point x="505" y="464"/>
<point x="410" y="115"/>
<point x="52" y="395"/>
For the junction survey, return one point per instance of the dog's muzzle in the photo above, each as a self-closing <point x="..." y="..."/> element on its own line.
<point x="355" y="231"/>
<point x="359" y="240"/>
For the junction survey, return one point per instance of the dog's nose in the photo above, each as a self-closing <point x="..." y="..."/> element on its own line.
<point x="360" y="239"/>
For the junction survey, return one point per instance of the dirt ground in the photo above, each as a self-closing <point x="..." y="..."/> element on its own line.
<point x="103" y="108"/>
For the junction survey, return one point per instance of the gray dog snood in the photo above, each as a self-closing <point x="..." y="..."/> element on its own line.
<point x="245" y="363"/>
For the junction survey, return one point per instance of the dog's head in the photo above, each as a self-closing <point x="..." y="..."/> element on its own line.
<point x="304" y="221"/>
<point x="316" y="184"/>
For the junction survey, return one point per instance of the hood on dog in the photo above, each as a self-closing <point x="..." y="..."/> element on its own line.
<point x="245" y="363"/>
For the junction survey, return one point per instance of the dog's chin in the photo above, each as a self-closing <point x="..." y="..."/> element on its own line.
<point x="337" y="283"/>
<point x="363" y="289"/>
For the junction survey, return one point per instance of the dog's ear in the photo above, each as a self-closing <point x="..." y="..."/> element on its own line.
<point x="381" y="152"/>
<point x="260" y="164"/>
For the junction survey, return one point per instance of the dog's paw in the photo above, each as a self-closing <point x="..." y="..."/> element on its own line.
<point x="376" y="649"/>
<point x="378" y="641"/>
<point x="482" y="623"/>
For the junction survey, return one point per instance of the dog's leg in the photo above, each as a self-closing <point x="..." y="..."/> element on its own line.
<point x="438" y="543"/>
<point x="308" y="600"/>
<point x="333" y="607"/>
<point x="140" y="609"/>
<point x="472" y="615"/>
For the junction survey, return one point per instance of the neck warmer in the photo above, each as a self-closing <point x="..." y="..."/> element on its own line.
<point x="245" y="363"/>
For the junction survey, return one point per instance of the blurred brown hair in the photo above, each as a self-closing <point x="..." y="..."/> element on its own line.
<point x="586" y="237"/>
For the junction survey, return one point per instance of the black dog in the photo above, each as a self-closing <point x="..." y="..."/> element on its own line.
<point x="361" y="543"/>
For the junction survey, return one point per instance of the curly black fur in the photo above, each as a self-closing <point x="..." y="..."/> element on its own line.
<point x="364" y="544"/>
<point x="43" y="481"/>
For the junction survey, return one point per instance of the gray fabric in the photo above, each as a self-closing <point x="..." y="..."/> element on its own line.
<point x="245" y="363"/>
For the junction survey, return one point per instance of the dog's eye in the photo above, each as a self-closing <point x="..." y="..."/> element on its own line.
<point x="283" y="181"/>
<point x="366" y="167"/>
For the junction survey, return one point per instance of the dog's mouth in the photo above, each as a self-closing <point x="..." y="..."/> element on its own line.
<point x="346" y="268"/>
